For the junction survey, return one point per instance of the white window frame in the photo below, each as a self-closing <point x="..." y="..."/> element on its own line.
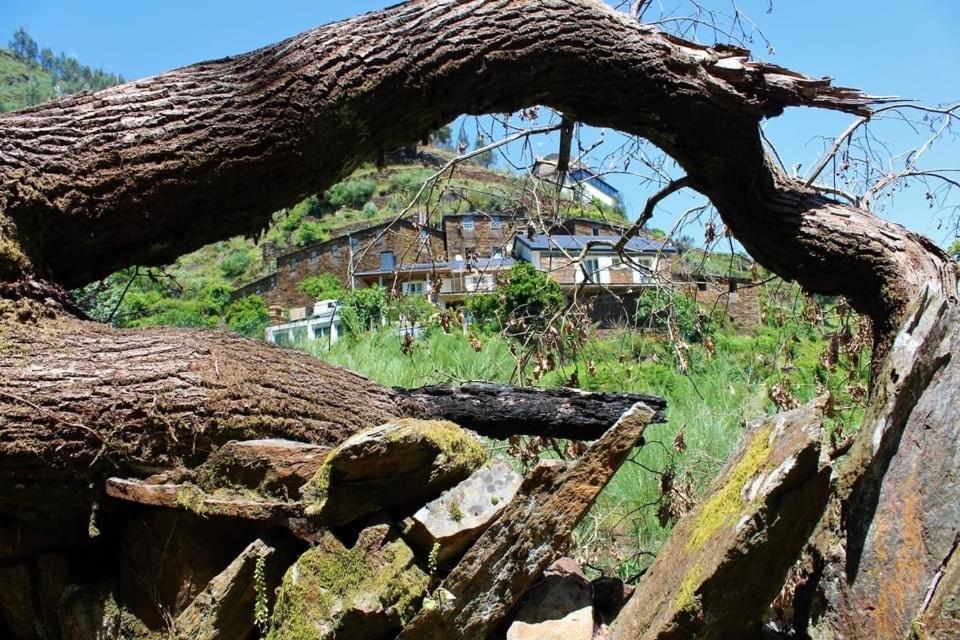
<point x="467" y="223"/>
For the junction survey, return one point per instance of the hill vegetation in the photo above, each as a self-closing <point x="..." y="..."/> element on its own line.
<point x="31" y="74"/>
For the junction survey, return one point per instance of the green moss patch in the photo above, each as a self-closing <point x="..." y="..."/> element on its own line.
<point x="458" y="447"/>
<point x="329" y="581"/>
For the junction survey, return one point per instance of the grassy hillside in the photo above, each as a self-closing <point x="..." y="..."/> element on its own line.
<point x="22" y="84"/>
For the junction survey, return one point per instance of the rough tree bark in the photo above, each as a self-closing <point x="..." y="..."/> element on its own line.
<point x="141" y="173"/>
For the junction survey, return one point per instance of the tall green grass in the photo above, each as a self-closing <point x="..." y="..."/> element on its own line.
<point x="433" y="359"/>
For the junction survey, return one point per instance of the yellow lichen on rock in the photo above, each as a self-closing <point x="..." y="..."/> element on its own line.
<point x="727" y="503"/>
<point x="686" y="595"/>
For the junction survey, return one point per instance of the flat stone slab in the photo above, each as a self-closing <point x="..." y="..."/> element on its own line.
<point x="403" y="462"/>
<point x="445" y="527"/>
<point x="560" y="607"/>
<point x="189" y="497"/>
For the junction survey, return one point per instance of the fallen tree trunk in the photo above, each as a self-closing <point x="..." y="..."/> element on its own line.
<point x="530" y="533"/>
<point x="500" y="411"/>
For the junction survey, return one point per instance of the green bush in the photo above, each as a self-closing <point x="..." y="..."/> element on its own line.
<point x="531" y="296"/>
<point x="364" y="309"/>
<point x="351" y="193"/>
<point x="485" y="312"/>
<point x="370" y="210"/>
<point x="248" y="316"/>
<point x="309" y="232"/>
<point x="414" y="310"/>
<point x="236" y="263"/>
<point x="325" y="286"/>
<point x="660" y="309"/>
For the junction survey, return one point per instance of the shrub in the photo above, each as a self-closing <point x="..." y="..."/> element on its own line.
<point x="370" y="210"/>
<point x="414" y="310"/>
<point x="531" y="296"/>
<point x="351" y="193"/>
<point x="325" y="286"/>
<point x="308" y="232"/>
<point x="661" y="308"/>
<point x="236" y="263"/>
<point x="485" y="311"/>
<point x="364" y="308"/>
<point x="248" y="316"/>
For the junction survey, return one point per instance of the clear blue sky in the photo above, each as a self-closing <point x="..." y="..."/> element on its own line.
<point x="884" y="47"/>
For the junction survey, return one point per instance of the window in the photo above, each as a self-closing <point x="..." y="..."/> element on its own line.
<point x="495" y="223"/>
<point x="467" y="224"/>
<point x="314" y="253"/>
<point x="592" y="266"/>
<point x="387" y="261"/>
<point x="413" y="288"/>
<point x="292" y="264"/>
<point x="617" y="263"/>
<point x="334" y="248"/>
<point x="424" y="234"/>
<point x="596" y="231"/>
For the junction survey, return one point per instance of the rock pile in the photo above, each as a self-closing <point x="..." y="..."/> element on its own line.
<point x="407" y="530"/>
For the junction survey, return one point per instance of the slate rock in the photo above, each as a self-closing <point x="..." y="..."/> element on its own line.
<point x="560" y="607"/>
<point x="726" y="560"/>
<point x="454" y="521"/>
<point x="271" y="467"/>
<point x="167" y="558"/>
<point x="403" y="462"/>
<point x="609" y="596"/>
<point x="225" y="609"/>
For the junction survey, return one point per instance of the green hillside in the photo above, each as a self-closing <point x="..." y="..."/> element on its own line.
<point x="31" y="74"/>
<point x="22" y="84"/>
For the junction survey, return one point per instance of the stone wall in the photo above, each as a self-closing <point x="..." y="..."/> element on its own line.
<point x="738" y="299"/>
<point x="489" y="234"/>
<point x="362" y="248"/>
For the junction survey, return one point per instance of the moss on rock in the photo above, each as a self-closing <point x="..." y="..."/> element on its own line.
<point x="330" y="584"/>
<point x="458" y="447"/>
<point x="402" y="461"/>
<point x="727" y="503"/>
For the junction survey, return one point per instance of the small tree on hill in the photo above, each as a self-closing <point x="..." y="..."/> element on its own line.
<point x="24" y="46"/>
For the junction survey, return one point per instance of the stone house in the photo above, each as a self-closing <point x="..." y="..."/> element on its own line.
<point x="480" y="234"/>
<point x="380" y="246"/>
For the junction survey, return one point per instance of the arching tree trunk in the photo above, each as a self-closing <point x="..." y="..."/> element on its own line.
<point x="143" y="172"/>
